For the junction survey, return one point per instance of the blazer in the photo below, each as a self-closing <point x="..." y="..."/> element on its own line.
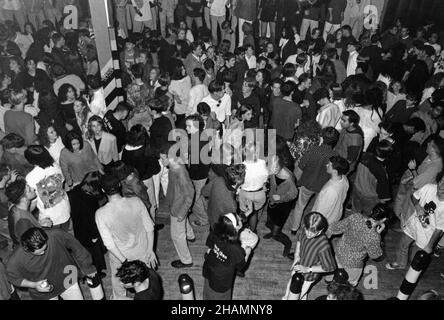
<point x="287" y="190"/>
<point x="108" y="148"/>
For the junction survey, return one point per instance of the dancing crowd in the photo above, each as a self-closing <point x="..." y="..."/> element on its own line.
<point x="232" y="109"/>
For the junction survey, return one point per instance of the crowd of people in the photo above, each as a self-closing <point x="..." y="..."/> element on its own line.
<point x="358" y="117"/>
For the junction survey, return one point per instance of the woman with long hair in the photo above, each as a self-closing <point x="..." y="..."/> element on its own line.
<point x="283" y="192"/>
<point x="86" y="198"/>
<point x="51" y="140"/>
<point x="66" y="98"/>
<point x="235" y="131"/>
<point x="83" y="114"/>
<point x="180" y="87"/>
<point x="77" y="159"/>
<point x="224" y="258"/>
<point x="396" y="92"/>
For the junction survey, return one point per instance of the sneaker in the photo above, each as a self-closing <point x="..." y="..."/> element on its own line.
<point x="191" y="240"/>
<point x="197" y="223"/>
<point x="240" y="274"/>
<point x="268" y="236"/>
<point x="294" y="232"/>
<point x="393" y="266"/>
<point x="180" y="265"/>
<point x="159" y="226"/>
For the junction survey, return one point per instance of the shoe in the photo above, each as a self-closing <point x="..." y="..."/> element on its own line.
<point x="102" y="275"/>
<point x="437" y="252"/>
<point x="294" y="232"/>
<point x="268" y="236"/>
<point x="180" y="265"/>
<point x="291" y="256"/>
<point x="191" y="240"/>
<point x="327" y="282"/>
<point x="286" y="252"/>
<point x="240" y="274"/>
<point x="393" y="266"/>
<point x="159" y="226"/>
<point x="197" y="223"/>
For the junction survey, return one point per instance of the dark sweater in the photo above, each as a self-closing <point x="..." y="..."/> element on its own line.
<point x="144" y="160"/>
<point x="159" y="131"/>
<point x="116" y="127"/>
<point x="180" y="193"/>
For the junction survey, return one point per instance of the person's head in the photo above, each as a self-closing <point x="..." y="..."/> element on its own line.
<point x="228" y="227"/>
<point x="30" y="64"/>
<point x="343" y="292"/>
<point x="276" y="87"/>
<point x="384" y="149"/>
<point x="211" y="52"/>
<point x="67" y="92"/>
<point x="305" y="81"/>
<point x="230" y="60"/>
<point x="137" y="136"/>
<point x="58" y="39"/>
<point x="29" y="29"/>
<point x="314" y="224"/>
<point x="263" y="77"/>
<point x="81" y="107"/>
<point x="261" y="63"/>
<point x="282" y="159"/>
<point x="14" y="65"/>
<point x="381" y="213"/>
<point x="289" y="70"/>
<point x="178" y="70"/>
<point x="249" y="51"/>
<point x="322" y="96"/>
<point x="338" y="166"/>
<point x="170" y="155"/>
<point x="194" y="123"/>
<point x="209" y="66"/>
<point x="34" y="241"/>
<point x="5" y="79"/>
<point x="405" y="32"/>
<point x="269" y="48"/>
<point x="129" y="45"/>
<point x="288" y="88"/>
<point x="91" y="184"/>
<point x="385" y="131"/>
<point x="122" y="110"/>
<point x="204" y="110"/>
<point x="353" y="46"/>
<point x="133" y="273"/>
<point x="414" y="125"/>
<point x="330" y="136"/>
<point x="38" y="156"/>
<point x="137" y="71"/>
<point x="437" y="110"/>
<point x="110" y="184"/>
<point x="434" y="38"/>
<point x="73" y="142"/>
<point x="182" y="34"/>
<point x="196" y="48"/>
<point x="47" y="135"/>
<point x="12" y="142"/>
<point x="157" y="107"/>
<point x="346" y="31"/>
<point x="19" y="190"/>
<point x="350" y="120"/>
<point x="436" y="147"/>
<point x="217" y="89"/>
<point x="199" y="75"/>
<point x="95" y="126"/>
<point x="5" y="175"/>
<point x="244" y="113"/>
<point x="431" y="295"/>
<point x="248" y="86"/>
<point x="18" y="97"/>
<point x="394" y="29"/>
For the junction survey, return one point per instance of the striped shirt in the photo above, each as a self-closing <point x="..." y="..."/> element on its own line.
<point x="315" y="252"/>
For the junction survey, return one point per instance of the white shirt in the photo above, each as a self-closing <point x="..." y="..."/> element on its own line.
<point x="329" y="116"/>
<point x="251" y="62"/>
<point x="217" y="8"/>
<point x="12" y="5"/>
<point x="52" y="200"/>
<point x="330" y="199"/>
<point x="24" y="43"/>
<point x="369" y="123"/>
<point x="197" y="93"/>
<point x="98" y="104"/>
<point x="256" y="175"/>
<point x="55" y="149"/>
<point x="414" y="228"/>
<point x="352" y="63"/>
<point x="182" y="89"/>
<point x="222" y="110"/>
<point x="145" y="10"/>
<point x="342" y="108"/>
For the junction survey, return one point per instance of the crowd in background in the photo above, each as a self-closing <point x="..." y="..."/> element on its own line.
<point x="359" y="149"/>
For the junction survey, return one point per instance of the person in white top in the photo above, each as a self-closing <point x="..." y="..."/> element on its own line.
<point x="47" y="180"/>
<point x="352" y="63"/>
<point x="250" y="57"/>
<point x="217" y="16"/>
<point x="424" y="228"/>
<point x="371" y="116"/>
<point x="219" y="102"/>
<point x="198" y="92"/>
<point x="50" y="139"/>
<point x="143" y="17"/>
<point x="331" y="198"/>
<point x="329" y="113"/>
<point x="180" y="87"/>
<point x="98" y="103"/>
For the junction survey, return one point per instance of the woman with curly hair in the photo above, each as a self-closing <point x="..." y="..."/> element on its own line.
<point x="51" y="140"/>
<point x="83" y="114"/>
<point x="308" y="134"/>
<point x="66" y="98"/>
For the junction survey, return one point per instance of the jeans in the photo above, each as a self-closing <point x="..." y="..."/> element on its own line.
<point x="180" y="232"/>
<point x="121" y="17"/>
<point x="241" y="32"/>
<point x="264" y="26"/>
<point x="403" y="249"/>
<point x="308" y="24"/>
<point x="151" y="191"/>
<point x="139" y="26"/>
<point x="207" y="18"/>
<point x="199" y="207"/>
<point x="154" y="14"/>
<point x="214" y="22"/>
<point x="119" y="290"/>
<point x="197" y="20"/>
<point x="363" y="204"/>
<point x="304" y="198"/>
<point x="165" y="17"/>
<point x="160" y="179"/>
<point x="249" y="201"/>
<point x="72" y="293"/>
<point x="330" y="29"/>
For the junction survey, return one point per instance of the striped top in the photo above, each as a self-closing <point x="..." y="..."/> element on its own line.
<point x="315" y="252"/>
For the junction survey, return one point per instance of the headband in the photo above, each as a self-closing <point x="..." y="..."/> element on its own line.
<point x="232" y="218"/>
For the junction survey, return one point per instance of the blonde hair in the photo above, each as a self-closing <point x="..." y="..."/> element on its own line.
<point x="18" y="97"/>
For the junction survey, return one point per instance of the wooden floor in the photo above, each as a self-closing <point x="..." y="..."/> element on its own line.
<point x="269" y="271"/>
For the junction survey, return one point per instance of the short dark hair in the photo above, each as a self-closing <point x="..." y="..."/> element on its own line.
<point x="330" y="136"/>
<point x="4" y="170"/>
<point x="289" y="70"/>
<point x="304" y="77"/>
<point x="287" y="88"/>
<point x="353" y="117"/>
<point x="203" y="108"/>
<point x="195" y="118"/>
<point x="122" y="107"/>
<point x="320" y="94"/>
<point x="176" y="66"/>
<point x="315" y="222"/>
<point x="33" y="239"/>
<point x="208" y="64"/>
<point x="70" y="137"/>
<point x="199" y="74"/>
<point x="216" y="86"/>
<point x="137" y="70"/>
<point x="137" y="136"/>
<point x="15" y="190"/>
<point x="195" y="45"/>
<point x="340" y="164"/>
<point x="131" y="272"/>
<point x="110" y="184"/>
<point x="384" y="149"/>
<point x="12" y="140"/>
<point x="39" y="156"/>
